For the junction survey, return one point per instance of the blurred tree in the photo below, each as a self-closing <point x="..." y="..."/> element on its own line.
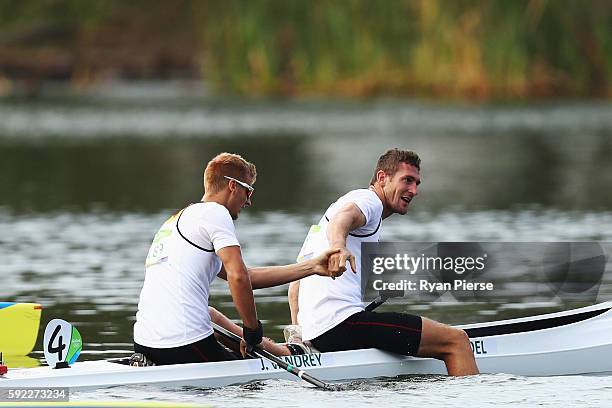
<point x="478" y="49"/>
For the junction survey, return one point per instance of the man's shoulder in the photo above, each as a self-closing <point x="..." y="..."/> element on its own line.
<point x="209" y="212"/>
<point x="361" y="196"/>
<point x="366" y="200"/>
<point x="365" y="193"/>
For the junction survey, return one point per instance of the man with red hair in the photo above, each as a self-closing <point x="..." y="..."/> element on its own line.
<point x="173" y="322"/>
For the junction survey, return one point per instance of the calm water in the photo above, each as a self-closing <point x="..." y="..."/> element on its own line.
<point x="84" y="185"/>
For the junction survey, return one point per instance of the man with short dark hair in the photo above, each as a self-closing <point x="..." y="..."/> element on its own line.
<point x="331" y="313"/>
<point x="173" y="322"/>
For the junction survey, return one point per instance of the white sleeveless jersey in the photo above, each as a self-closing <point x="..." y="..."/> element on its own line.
<point x="324" y="303"/>
<point x="180" y="266"/>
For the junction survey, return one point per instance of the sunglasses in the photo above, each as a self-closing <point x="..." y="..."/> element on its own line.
<point x="248" y="187"/>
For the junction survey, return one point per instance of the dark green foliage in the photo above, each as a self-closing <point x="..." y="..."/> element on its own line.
<point x="462" y="48"/>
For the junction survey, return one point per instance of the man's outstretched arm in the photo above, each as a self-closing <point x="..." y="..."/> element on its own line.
<point x="267" y="276"/>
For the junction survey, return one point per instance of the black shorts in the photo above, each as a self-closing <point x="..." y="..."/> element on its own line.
<point x="390" y="331"/>
<point x="203" y="351"/>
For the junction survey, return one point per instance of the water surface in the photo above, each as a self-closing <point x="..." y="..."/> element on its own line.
<point x="84" y="185"/>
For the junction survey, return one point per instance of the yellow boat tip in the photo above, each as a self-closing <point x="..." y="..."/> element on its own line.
<point x="21" y="322"/>
<point x="20" y="361"/>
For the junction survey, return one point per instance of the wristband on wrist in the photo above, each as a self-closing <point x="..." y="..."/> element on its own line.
<point x="252" y="337"/>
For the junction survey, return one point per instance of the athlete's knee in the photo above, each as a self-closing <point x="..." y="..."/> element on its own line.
<point x="453" y="340"/>
<point x="459" y="339"/>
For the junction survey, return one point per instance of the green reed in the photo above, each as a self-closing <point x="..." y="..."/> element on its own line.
<point x="485" y="49"/>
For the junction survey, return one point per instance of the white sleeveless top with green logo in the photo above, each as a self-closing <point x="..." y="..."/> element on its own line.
<point x="325" y="303"/>
<point x="181" y="264"/>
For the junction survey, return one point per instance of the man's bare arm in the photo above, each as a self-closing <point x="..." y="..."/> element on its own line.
<point x="293" y="296"/>
<point x="347" y="219"/>
<point x="267" y="276"/>
<point x="237" y="275"/>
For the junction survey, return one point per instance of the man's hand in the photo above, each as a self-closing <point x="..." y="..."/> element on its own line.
<point x="337" y="261"/>
<point x="252" y="337"/>
<point x="243" y="348"/>
<point x="320" y="264"/>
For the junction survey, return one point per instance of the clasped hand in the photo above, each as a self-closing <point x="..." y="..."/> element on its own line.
<point x="332" y="262"/>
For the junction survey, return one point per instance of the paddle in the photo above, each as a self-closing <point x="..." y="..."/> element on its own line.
<point x="383" y="296"/>
<point x="261" y="353"/>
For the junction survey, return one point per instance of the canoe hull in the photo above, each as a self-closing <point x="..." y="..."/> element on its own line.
<point x="560" y="348"/>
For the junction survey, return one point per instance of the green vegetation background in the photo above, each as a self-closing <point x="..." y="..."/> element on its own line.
<point x="495" y="49"/>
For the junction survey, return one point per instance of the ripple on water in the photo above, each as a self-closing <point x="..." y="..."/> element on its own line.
<point x="405" y="391"/>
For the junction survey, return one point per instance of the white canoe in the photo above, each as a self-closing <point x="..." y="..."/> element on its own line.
<point x="565" y="343"/>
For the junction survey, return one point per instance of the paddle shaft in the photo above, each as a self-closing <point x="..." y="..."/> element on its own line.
<point x="375" y="303"/>
<point x="261" y="353"/>
<point x="382" y="298"/>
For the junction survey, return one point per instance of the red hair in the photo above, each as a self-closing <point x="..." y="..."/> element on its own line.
<point x="227" y="164"/>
